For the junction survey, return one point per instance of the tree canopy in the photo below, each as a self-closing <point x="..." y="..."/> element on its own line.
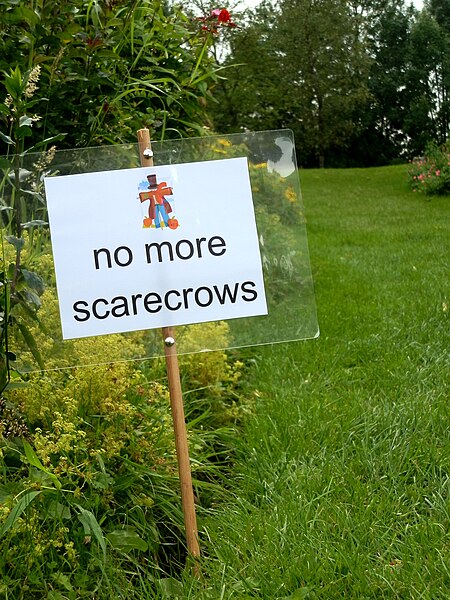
<point x="360" y="82"/>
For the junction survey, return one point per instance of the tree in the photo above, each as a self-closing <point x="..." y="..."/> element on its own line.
<point x="429" y="82"/>
<point x="361" y="82"/>
<point x="440" y="9"/>
<point x="408" y="83"/>
<point x="238" y="102"/>
<point x="302" y="66"/>
<point x="381" y="137"/>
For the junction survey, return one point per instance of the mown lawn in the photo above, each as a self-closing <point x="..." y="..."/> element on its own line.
<point x="342" y="479"/>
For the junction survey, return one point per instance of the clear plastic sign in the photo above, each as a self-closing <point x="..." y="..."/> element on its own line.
<point x="258" y="224"/>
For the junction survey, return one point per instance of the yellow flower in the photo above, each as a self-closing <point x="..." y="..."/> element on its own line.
<point x="290" y="195"/>
<point x="224" y="142"/>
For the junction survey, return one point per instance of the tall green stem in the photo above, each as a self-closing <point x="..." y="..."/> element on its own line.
<point x="17" y="215"/>
<point x="200" y="58"/>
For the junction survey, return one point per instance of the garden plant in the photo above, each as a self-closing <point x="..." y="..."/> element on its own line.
<point x="89" y="493"/>
<point x="430" y="174"/>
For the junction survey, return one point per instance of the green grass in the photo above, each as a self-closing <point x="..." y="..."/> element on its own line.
<point x="341" y="486"/>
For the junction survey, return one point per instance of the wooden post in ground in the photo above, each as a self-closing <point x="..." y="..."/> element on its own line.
<point x="176" y="402"/>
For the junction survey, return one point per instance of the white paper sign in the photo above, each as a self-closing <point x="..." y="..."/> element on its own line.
<point x="155" y="246"/>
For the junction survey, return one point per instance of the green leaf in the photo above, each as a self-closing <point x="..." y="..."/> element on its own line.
<point x="18" y="243"/>
<point x="18" y="509"/>
<point x="42" y="479"/>
<point x="54" y="138"/>
<point x="25" y="120"/>
<point x="127" y="539"/>
<point x="26" y="301"/>
<point x="16" y="386"/>
<point x="68" y="34"/>
<point x="33" y="459"/>
<point x="34" y="195"/>
<point x="31" y="299"/>
<point x="5" y="163"/>
<point x="91" y="527"/>
<point x="14" y="83"/>
<point x="35" y="223"/>
<point x="107" y="54"/>
<point x="34" y="281"/>
<point x="31" y="343"/>
<point x="6" y="139"/>
<point x="25" y="14"/>
<point x="9" y="490"/>
<point x="102" y="481"/>
<point x="62" y="581"/>
<point x="59" y="511"/>
<point x="55" y="595"/>
<point x="23" y="131"/>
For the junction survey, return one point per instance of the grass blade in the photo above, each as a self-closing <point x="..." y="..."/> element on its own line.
<point x="18" y="509"/>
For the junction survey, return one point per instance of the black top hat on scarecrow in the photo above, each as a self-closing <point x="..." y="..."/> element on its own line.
<point x="152" y="182"/>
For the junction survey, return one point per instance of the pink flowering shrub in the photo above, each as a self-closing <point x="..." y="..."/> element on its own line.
<point x="431" y="174"/>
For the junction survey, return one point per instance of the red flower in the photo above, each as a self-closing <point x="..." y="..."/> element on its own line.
<point x="218" y="16"/>
<point x="224" y="16"/>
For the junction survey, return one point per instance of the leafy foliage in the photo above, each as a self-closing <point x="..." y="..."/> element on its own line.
<point x="110" y="68"/>
<point x="301" y="66"/>
<point x="381" y="136"/>
<point x="92" y="492"/>
<point x="21" y="287"/>
<point x="360" y="83"/>
<point x="90" y="501"/>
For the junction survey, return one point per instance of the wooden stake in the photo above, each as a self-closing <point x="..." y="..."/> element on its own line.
<point x="176" y="402"/>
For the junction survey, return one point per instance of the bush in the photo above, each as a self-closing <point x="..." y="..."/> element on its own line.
<point x="90" y="501"/>
<point x="107" y="69"/>
<point x="96" y="476"/>
<point x="431" y="174"/>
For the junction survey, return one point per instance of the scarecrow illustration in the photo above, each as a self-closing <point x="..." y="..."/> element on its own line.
<point x="159" y="208"/>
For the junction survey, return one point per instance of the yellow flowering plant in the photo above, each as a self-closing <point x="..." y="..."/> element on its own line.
<point x="96" y="475"/>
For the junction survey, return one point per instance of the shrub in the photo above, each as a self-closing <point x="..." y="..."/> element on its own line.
<point x="90" y="499"/>
<point x="109" y="68"/>
<point x="431" y="174"/>
<point x="97" y="475"/>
